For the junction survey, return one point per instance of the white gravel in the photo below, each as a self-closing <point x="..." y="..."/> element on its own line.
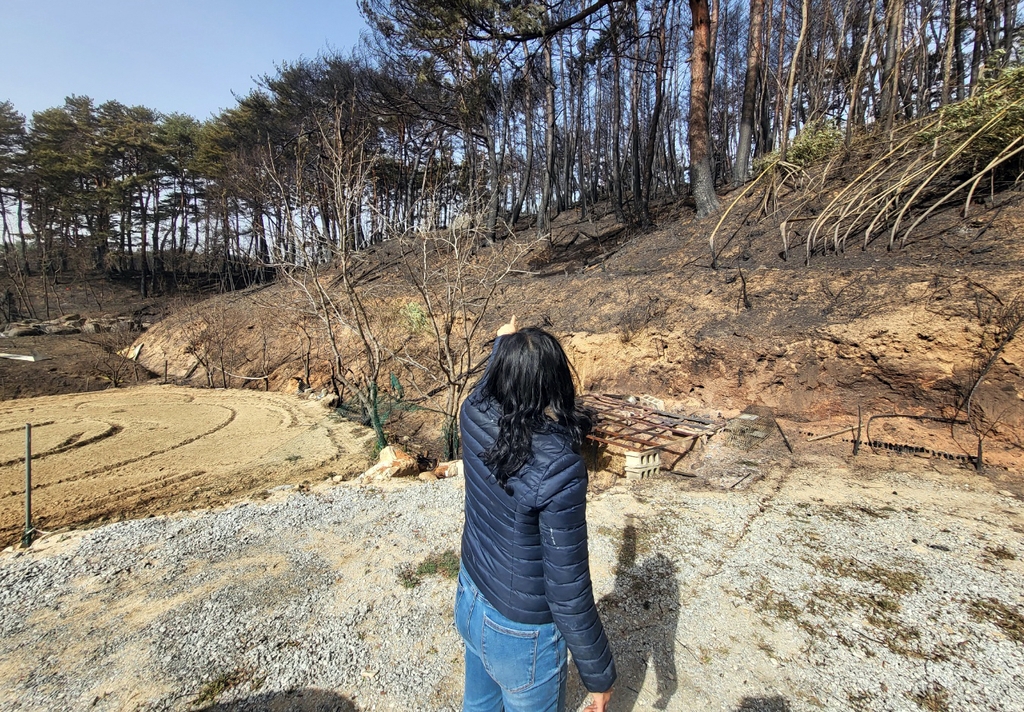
<point x="813" y="588"/>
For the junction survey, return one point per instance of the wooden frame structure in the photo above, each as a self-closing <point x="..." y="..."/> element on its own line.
<point x="627" y="424"/>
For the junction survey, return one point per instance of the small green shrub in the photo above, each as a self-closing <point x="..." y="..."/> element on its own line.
<point x="416" y="316"/>
<point x="219" y="685"/>
<point x="817" y="141"/>
<point x="445" y="564"/>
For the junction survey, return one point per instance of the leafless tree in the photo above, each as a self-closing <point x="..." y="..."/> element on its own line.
<point x="457" y="281"/>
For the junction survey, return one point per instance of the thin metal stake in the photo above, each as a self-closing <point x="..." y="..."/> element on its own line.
<point x="26" y="539"/>
<point x="856" y="440"/>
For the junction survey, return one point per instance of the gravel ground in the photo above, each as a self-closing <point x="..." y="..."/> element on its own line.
<point x="816" y="585"/>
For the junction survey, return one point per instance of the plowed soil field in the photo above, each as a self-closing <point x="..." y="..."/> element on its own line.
<point x="133" y="452"/>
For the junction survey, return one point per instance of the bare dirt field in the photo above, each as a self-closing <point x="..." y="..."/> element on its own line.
<point x="153" y="449"/>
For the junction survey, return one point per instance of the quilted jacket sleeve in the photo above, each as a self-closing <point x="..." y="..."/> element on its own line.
<point x="563" y="530"/>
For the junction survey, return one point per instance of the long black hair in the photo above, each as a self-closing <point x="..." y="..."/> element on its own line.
<point x="530" y="379"/>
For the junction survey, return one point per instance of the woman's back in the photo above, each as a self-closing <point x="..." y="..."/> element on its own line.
<point x="525" y="539"/>
<point x="501" y="540"/>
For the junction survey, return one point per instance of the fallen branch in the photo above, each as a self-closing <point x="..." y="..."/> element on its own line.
<point x="831" y="435"/>
<point x="784" y="438"/>
<point x="940" y="419"/>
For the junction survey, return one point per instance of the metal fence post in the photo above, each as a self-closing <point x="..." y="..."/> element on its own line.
<point x="856" y="440"/>
<point x="26" y="539"/>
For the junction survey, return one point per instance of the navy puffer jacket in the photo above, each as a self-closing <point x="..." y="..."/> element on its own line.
<point x="525" y="545"/>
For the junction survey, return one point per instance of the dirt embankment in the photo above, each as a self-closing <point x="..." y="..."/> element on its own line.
<point x="889" y="333"/>
<point x="802" y="581"/>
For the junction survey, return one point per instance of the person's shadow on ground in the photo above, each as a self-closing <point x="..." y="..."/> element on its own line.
<point x="640" y="617"/>
<point x="305" y="700"/>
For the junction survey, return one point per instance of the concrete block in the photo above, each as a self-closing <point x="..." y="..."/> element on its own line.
<point x="642" y="464"/>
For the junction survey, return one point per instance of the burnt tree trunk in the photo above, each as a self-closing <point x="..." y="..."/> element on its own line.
<point x="755" y="48"/>
<point x="543" y="218"/>
<point x="702" y="182"/>
<point x="659" y="102"/>
<point x="890" y="66"/>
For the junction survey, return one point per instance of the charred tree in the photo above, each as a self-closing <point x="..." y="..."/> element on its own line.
<point x="755" y="49"/>
<point x="702" y="182"/>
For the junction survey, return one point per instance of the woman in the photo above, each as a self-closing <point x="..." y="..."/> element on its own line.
<point x="524" y="591"/>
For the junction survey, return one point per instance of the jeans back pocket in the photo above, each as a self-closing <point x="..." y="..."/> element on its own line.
<point x="509" y="655"/>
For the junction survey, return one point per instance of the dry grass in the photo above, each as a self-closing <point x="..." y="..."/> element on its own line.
<point x="934" y="698"/>
<point x="843" y="513"/>
<point x="767" y="600"/>
<point x="860" y="700"/>
<point x="895" y="580"/>
<point x="220" y="684"/>
<point x="1007" y="618"/>
<point x="998" y="553"/>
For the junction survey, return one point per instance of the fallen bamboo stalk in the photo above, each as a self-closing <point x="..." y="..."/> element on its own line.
<point x="784" y="438"/>
<point x="737" y="482"/>
<point x="964" y="145"/>
<point x="832" y="435"/>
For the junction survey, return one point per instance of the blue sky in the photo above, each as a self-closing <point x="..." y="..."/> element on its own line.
<point x="178" y="55"/>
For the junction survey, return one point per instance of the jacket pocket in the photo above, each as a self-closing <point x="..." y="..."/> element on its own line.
<point x="509" y="655"/>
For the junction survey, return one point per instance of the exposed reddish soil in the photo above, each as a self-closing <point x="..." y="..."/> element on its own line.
<point x="888" y="332"/>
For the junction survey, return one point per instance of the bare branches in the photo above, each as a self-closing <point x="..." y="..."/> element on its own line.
<point x="1008" y="321"/>
<point x="491" y="32"/>
<point x="458" y="282"/>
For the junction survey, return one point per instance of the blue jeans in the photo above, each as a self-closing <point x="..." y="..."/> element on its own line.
<point x="510" y="666"/>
